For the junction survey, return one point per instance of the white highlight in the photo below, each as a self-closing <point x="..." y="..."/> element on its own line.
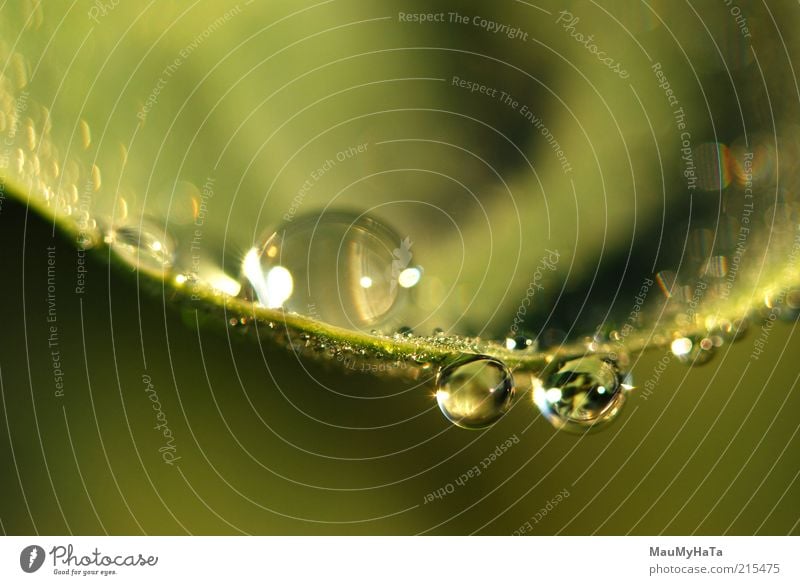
<point x="279" y="287"/>
<point x="681" y="346"/>
<point x="271" y="289"/>
<point x="225" y="284"/>
<point x="553" y="395"/>
<point x="409" y="277"/>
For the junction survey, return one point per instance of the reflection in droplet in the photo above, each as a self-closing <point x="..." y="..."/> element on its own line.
<point x="693" y="351"/>
<point x="409" y="277"/>
<point x="341" y="268"/>
<point x="581" y="394"/>
<point x="145" y="245"/>
<point x="474" y="392"/>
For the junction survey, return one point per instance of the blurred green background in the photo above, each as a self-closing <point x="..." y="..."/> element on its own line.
<point x="269" y="444"/>
<point x="265" y="450"/>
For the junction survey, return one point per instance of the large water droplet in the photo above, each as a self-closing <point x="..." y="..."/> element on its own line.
<point x="341" y="268"/>
<point x="581" y="394"/>
<point x="144" y="244"/>
<point x="474" y="392"/>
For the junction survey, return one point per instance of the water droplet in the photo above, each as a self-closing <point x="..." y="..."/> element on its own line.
<point x="86" y="134"/>
<point x="474" y="392"/>
<point x="520" y="343"/>
<point x="693" y="351"/>
<point x="581" y="394"/>
<point x="341" y="268"/>
<point x="143" y="244"/>
<point x="784" y="304"/>
<point x="180" y="204"/>
<point x="405" y="331"/>
<point x="97" y="180"/>
<point x="729" y="330"/>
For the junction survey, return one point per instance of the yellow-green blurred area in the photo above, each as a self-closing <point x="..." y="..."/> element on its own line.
<point x="486" y="136"/>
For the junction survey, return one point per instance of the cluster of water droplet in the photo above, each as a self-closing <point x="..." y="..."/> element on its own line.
<point x="578" y="395"/>
<point x="350" y="270"/>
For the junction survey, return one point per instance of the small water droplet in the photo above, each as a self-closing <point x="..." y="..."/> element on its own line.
<point x="96" y="180"/>
<point x="406" y="331"/>
<point x="785" y="305"/>
<point x="143" y="244"/>
<point x="475" y="391"/>
<point x="182" y="204"/>
<point x="733" y="330"/>
<point x="341" y="268"/>
<point x="86" y="134"/>
<point x="693" y="351"/>
<point x="581" y="394"/>
<point x="520" y="343"/>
